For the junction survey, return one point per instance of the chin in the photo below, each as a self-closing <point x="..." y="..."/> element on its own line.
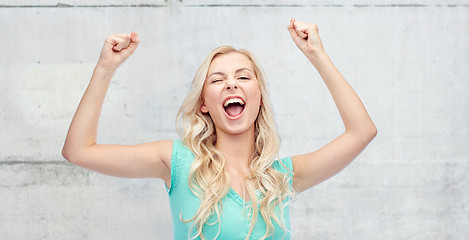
<point x="235" y="129"/>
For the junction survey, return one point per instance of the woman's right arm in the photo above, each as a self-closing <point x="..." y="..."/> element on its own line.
<point x="139" y="161"/>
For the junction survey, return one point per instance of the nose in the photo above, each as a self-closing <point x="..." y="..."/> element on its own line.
<point x="231" y="84"/>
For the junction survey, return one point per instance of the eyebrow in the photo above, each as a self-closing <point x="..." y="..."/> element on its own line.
<point x="223" y="74"/>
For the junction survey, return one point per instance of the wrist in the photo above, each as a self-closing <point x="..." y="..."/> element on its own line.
<point x="317" y="57"/>
<point x="104" y="72"/>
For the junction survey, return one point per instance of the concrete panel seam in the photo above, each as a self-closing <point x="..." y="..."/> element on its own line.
<point x="62" y="5"/>
<point x="35" y="163"/>
<point x="328" y="5"/>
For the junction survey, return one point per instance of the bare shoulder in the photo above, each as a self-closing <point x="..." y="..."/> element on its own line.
<point x="158" y="155"/>
<point x="315" y="167"/>
<point x="163" y="150"/>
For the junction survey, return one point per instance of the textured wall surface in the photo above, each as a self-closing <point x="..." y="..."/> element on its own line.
<point x="407" y="60"/>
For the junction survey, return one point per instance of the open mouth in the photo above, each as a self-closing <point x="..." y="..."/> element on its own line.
<point x="234" y="107"/>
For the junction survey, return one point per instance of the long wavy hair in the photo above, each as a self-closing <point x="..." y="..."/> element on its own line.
<point x="208" y="179"/>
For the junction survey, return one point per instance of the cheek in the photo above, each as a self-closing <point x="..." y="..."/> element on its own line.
<point x="256" y="93"/>
<point x="203" y="105"/>
<point x="209" y="99"/>
<point x="258" y="98"/>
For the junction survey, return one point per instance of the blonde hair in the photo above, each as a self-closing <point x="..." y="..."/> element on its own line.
<point x="207" y="177"/>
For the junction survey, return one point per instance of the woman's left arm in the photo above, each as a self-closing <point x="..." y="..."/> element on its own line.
<point x="315" y="167"/>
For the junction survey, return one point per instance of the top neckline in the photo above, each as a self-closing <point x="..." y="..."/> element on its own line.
<point x="238" y="199"/>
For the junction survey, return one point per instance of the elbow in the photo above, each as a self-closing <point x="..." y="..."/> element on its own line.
<point x="365" y="134"/>
<point x="66" y="154"/>
<point x="374" y="132"/>
<point x="69" y="155"/>
<point x="75" y="154"/>
<point x="370" y="133"/>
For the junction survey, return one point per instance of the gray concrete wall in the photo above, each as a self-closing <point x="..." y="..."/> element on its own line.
<point x="408" y="61"/>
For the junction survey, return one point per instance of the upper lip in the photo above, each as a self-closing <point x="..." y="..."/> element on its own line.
<point x="233" y="97"/>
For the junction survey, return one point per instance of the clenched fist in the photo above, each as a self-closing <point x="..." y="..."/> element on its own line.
<point x="117" y="48"/>
<point x="306" y="37"/>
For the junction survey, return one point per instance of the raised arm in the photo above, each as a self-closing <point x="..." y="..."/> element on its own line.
<point x="142" y="160"/>
<point x="315" y="167"/>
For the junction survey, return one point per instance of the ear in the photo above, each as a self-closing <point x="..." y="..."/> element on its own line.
<point x="203" y="108"/>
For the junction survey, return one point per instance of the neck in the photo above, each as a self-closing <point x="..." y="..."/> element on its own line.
<point x="237" y="149"/>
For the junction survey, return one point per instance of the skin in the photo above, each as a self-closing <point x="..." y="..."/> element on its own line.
<point x="136" y="161"/>
<point x="317" y="166"/>
<point x="232" y="75"/>
<point x="235" y="137"/>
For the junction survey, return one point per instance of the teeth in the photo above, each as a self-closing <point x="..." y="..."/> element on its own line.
<point x="233" y="100"/>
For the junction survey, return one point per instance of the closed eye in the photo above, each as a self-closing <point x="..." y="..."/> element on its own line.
<point x="244" y="78"/>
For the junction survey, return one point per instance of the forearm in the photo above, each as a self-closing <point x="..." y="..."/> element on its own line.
<point x="352" y="111"/>
<point x="83" y="129"/>
<point x="319" y="165"/>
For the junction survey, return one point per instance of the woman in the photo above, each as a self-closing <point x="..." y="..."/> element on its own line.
<point x="223" y="180"/>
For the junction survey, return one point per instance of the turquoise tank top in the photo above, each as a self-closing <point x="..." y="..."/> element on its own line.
<point x="235" y="221"/>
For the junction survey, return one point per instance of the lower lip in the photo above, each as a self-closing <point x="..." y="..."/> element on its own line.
<point x="237" y="117"/>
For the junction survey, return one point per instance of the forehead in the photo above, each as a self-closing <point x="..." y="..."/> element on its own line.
<point x="229" y="62"/>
